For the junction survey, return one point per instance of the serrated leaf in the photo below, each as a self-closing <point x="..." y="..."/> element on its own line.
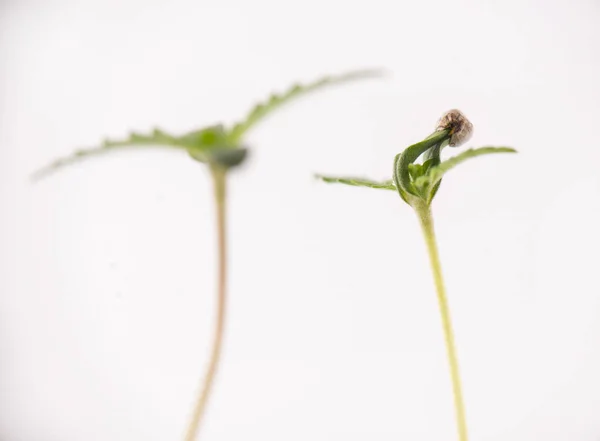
<point x="275" y="101"/>
<point x="435" y="173"/>
<point x="196" y="143"/>
<point x="358" y="182"/>
<point x="157" y="138"/>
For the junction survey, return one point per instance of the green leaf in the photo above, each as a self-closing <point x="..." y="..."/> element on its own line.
<point x="212" y="145"/>
<point x="358" y="182"/>
<point x="157" y="138"/>
<point x="275" y="101"/>
<point x="196" y="143"/>
<point x="435" y="173"/>
<point x="415" y="170"/>
<point x="433" y="161"/>
<point x="410" y="154"/>
<point x="207" y="144"/>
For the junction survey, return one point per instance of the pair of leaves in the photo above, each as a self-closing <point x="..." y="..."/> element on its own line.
<point x="425" y="177"/>
<point x="215" y="145"/>
<point x="403" y="161"/>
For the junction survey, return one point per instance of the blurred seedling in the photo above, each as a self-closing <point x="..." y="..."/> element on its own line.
<point x="221" y="149"/>
<point x="417" y="184"/>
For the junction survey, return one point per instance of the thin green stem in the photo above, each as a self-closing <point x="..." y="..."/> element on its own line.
<point x="219" y="181"/>
<point x="426" y="220"/>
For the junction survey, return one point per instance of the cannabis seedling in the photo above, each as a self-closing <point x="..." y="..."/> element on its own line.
<point x="417" y="184"/>
<point x="220" y="149"/>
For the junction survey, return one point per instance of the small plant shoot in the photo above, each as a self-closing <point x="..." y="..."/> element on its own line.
<point x="221" y="149"/>
<point x="417" y="184"/>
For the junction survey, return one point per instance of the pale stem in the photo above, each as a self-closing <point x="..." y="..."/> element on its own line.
<point x="219" y="181"/>
<point x="426" y="221"/>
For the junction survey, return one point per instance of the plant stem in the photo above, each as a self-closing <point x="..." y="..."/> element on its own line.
<point x="426" y="221"/>
<point x="219" y="182"/>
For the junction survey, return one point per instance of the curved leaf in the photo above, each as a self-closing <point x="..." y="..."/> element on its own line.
<point x="433" y="161"/>
<point x="196" y="143"/>
<point x="275" y="101"/>
<point x="358" y="182"/>
<point x="157" y="138"/>
<point x="410" y="154"/>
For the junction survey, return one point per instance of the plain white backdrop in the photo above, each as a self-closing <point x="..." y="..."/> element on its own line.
<point x="107" y="269"/>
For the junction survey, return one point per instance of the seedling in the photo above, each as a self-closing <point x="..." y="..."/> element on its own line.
<point x="417" y="184"/>
<point x="221" y="149"/>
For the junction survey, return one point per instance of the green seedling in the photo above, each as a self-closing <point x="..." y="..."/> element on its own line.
<point x="417" y="183"/>
<point x="221" y="149"/>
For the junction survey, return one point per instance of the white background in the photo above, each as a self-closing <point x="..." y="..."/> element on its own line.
<point x="107" y="269"/>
